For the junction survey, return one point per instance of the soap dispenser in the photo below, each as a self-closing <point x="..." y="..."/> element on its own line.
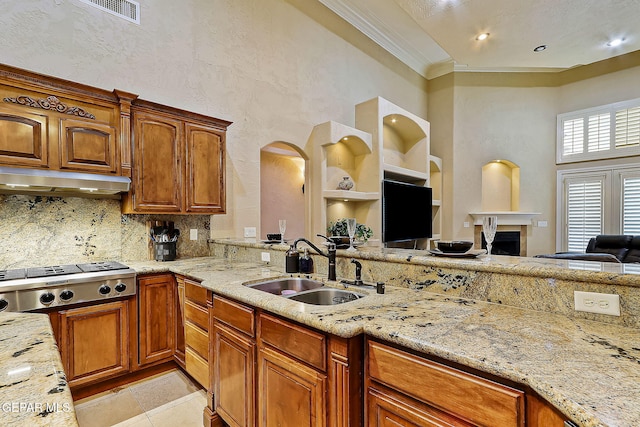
<point x="306" y="262"/>
<point x="291" y="260"/>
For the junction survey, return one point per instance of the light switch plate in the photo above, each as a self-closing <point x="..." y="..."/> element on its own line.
<point x="543" y="224"/>
<point x="266" y="257"/>
<point x="249" y="232"/>
<point x="594" y="302"/>
<point x="193" y="234"/>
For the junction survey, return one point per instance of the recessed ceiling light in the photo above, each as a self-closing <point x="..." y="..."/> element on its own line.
<point x="615" y="42"/>
<point x="482" y="36"/>
<point x="540" y="48"/>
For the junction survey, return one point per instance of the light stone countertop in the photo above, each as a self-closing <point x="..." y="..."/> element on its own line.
<point x="589" y="370"/>
<point x="33" y="386"/>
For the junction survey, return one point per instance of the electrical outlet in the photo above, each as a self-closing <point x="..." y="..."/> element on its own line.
<point x="465" y="224"/>
<point x="193" y="234"/>
<point x="594" y="302"/>
<point x="249" y="232"/>
<point x="266" y="257"/>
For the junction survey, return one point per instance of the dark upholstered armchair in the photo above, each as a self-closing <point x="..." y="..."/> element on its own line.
<point x="605" y="248"/>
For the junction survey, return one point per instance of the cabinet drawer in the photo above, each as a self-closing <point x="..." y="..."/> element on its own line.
<point x="306" y="345"/>
<point x="197" y="339"/>
<point x="197" y="367"/>
<point x="196" y="314"/>
<point x="473" y="398"/>
<point x="196" y="294"/>
<point x="236" y="315"/>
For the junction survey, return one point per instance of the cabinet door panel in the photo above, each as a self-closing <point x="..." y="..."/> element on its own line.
<point x="197" y="367"/>
<point x="290" y="394"/>
<point x="205" y="167"/>
<point x="468" y="396"/>
<point x="23" y="139"/>
<point x="87" y="146"/>
<point x="234" y="372"/>
<point x="157" y="318"/>
<point x="94" y="341"/>
<point x="197" y="339"/>
<point x="157" y="173"/>
<point x="385" y="410"/>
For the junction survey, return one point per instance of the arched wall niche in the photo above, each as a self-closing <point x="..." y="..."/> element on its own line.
<point x="500" y="186"/>
<point x="283" y="190"/>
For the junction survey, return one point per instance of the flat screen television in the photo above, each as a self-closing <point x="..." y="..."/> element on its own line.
<point x="406" y="211"/>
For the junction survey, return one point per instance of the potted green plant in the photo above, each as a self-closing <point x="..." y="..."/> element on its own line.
<point x="338" y="229"/>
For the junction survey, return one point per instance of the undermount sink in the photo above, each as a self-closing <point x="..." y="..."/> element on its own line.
<point x="326" y="296"/>
<point x="305" y="290"/>
<point x="288" y="284"/>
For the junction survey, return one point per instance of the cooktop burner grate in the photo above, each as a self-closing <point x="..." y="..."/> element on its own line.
<point x="19" y="273"/>
<point x="52" y="270"/>
<point x="101" y="266"/>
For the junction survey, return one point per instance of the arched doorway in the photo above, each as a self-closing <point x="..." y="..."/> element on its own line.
<point x="282" y="189"/>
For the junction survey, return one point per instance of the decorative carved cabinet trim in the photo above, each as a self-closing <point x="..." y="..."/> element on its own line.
<point x="50" y="103"/>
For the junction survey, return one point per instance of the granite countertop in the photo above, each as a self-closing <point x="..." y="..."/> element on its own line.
<point x="589" y="370"/>
<point x="627" y="274"/>
<point x="33" y="386"/>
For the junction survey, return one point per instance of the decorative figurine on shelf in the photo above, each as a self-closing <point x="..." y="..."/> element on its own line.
<point x="345" y="184"/>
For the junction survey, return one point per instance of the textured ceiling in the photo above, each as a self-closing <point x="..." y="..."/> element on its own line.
<point x="426" y="34"/>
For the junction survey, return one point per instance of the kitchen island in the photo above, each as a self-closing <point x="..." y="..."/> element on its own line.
<point x="588" y="370"/>
<point x="33" y="387"/>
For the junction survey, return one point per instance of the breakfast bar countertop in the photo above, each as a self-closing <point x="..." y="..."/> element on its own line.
<point x="589" y="370"/>
<point x="33" y="386"/>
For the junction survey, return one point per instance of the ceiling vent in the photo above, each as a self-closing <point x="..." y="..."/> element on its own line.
<point x="127" y="9"/>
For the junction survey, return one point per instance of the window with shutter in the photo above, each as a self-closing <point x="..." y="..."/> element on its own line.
<point x="597" y="201"/>
<point x="631" y="205"/>
<point x="603" y="132"/>
<point x="584" y="209"/>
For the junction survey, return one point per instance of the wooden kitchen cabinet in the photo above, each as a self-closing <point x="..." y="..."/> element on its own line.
<point x="234" y="349"/>
<point x="157" y="313"/>
<point x="269" y="371"/>
<point x="290" y="394"/>
<point x="53" y="124"/>
<point x="94" y="341"/>
<point x="464" y="399"/>
<point x="196" y="332"/>
<point x="178" y="161"/>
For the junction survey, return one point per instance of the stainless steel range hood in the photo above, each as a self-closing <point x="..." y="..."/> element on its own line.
<point x="24" y="180"/>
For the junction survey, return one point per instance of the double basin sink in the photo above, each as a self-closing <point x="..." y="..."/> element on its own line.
<point x="305" y="290"/>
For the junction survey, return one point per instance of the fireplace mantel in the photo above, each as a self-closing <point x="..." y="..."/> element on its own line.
<point x="506" y="217"/>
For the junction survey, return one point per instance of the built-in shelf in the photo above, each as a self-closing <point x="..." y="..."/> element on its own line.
<point x="506" y="217"/>
<point x="348" y="195"/>
<point x="404" y="174"/>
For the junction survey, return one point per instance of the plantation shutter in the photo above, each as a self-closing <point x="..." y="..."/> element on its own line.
<point x="631" y="205"/>
<point x="573" y="136"/>
<point x="584" y="211"/>
<point x="627" y="127"/>
<point x="603" y="132"/>
<point x="599" y="133"/>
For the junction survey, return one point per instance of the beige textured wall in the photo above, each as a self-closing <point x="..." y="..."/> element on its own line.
<point x="275" y="68"/>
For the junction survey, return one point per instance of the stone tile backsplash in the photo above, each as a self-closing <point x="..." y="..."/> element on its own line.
<point x="45" y="230"/>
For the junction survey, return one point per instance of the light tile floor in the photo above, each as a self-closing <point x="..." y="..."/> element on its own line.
<point x="168" y="399"/>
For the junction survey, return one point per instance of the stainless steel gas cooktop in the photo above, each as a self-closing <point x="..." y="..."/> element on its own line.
<point x="26" y="289"/>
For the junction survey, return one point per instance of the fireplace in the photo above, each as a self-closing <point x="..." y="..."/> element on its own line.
<point x="505" y="243"/>
<point x="509" y="240"/>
